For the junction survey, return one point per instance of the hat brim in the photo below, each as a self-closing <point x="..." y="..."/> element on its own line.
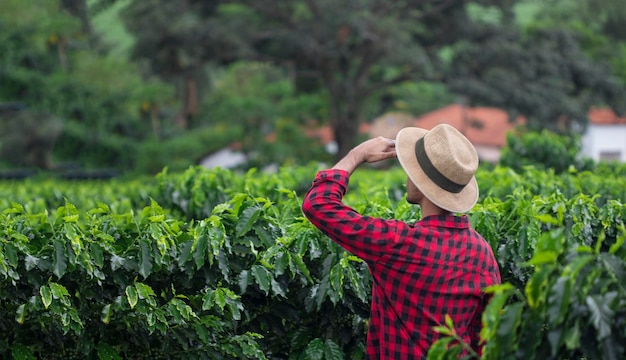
<point x="460" y="202"/>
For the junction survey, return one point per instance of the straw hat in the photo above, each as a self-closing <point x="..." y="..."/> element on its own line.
<point x="441" y="163"/>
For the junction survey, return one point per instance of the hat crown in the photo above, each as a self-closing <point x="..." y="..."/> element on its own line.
<point x="451" y="153"/>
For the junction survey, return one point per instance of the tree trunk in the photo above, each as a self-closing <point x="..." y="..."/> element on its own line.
<point x="345" y="123"/>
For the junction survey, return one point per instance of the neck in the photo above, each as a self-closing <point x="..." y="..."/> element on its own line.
<point x="428" y="209"/>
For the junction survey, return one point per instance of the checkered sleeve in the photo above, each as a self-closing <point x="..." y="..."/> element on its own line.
<point x="361" y="235"/>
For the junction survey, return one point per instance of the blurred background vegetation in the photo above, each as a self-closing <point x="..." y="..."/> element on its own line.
<point x="132" y="86"/>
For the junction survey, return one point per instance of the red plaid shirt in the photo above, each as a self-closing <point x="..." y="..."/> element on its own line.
<point x="420" y="272"/>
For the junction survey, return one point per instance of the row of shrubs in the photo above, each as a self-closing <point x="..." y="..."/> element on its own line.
<point x="221" y="264"/>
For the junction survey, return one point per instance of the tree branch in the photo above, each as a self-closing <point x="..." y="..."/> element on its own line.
<point x="406" y="76"/>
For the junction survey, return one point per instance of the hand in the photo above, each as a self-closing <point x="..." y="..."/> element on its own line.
<point x="372" y="150"/>
<point x="376" y="149"/>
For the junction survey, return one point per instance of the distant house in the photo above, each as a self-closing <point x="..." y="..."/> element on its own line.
<point x="605" y="138"/>
<point x="485" y="127"/>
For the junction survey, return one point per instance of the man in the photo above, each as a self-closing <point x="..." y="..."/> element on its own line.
<point x="422" y="271"/>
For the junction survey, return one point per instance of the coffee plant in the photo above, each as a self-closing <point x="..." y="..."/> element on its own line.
<point x="220" y="264"/>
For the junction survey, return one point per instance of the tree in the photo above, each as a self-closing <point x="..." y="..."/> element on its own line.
<point x="27" y="137"/>
<point x="538" y="71"/>
<point x="356" y="50"/>
<point x="46" y="64"/>
<point x="351" y="49"/>
<point x="176" y="39"/>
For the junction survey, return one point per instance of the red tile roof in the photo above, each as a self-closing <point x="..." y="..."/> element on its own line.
<point x="605" y="116"/>
<point x="484" y="126"/>
<point x="481" y="125"/>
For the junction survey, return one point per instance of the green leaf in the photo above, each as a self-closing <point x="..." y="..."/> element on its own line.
<point x="20" y="314"/>
<point x="449" y="322"/>
<point x="183" y="309"/>
<point x="145" y="292"/>
<point x="145" y="258"/>
<point x="21" y="352"/>
<point x="439" y="349"/>
<point x="618" y="244"/>
<point x="216" y="239"/>
<point x="558" y="301"/>
<point x="547" y="219"/>
<point x="601" y="313"/>
<point x="543" y="257"/>
<point x="107" y="352"/>
<point x="614" y="266"/>
<point x="203" y="332"/>
<point x="262" y="277"/>
<point x="357" y="283"/>
<point x="207" y="299"/>
<point x="322" y="291"/>
<point x="117" y="262"/>
<point x="551" y="242"/>
<point x="491" y="315"/>
<point x="200" y="244"/>
<point x="332" y="351"/>
<point x="573" y="268"/>
<point x="4" y="268"/>
<point x="336" y="278"/>
<point x="535" y="287"/>
<point x="131" y="296"/>
<point x="572" y="336"/>
<point x="105" y="315"/>
<point x="244" y="280"/>
<point x="247" y="219"/>
<point x="277" y="289"/>
<point x="184" y="253"/>
<point x="46" y="296"/>
<point x="97" y="254"/>
<point x="443" y="330"/>
<point x="219" y="298"/>
<point x="506" y="333"/>
<point x="314" y="350"/>
<point x="555" y="339"/>
<point x="59" y="264"/>
<point x="11" y="254"/>
<point x="297" y="259"/>
<point x="60" y="292"/>
<point x="281" y="262"/>
<point x="157" y="233"/>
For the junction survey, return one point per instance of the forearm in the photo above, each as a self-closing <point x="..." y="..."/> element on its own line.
<point x="370" y="151"/>
<point x="348" y="163"/>
<point x="323" y="206"/>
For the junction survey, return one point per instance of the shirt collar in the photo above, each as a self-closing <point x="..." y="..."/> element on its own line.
<point x="446" y="221"/>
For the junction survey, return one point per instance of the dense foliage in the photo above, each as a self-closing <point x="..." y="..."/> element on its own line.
<point x="544" y="149"/>
<point x="223" y="264"/>
<point x="109" y="83"/>
<point x="74" y="105"/>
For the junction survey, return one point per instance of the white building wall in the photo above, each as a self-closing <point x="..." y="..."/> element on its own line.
<point x="605" y="142"/>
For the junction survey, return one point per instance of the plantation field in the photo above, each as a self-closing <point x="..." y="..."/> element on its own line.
<point x="219" y="264"/>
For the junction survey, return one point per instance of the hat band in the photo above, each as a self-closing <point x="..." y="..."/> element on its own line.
<point x="431" y="171"/>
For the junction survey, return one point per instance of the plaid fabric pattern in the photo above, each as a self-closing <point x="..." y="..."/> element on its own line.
<point x="420" y="272"/>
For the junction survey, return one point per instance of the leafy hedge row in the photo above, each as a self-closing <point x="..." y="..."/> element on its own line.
<point x="189" y="188"/>
<point x="252" y="280"/>
<point x="222" y="264"/>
